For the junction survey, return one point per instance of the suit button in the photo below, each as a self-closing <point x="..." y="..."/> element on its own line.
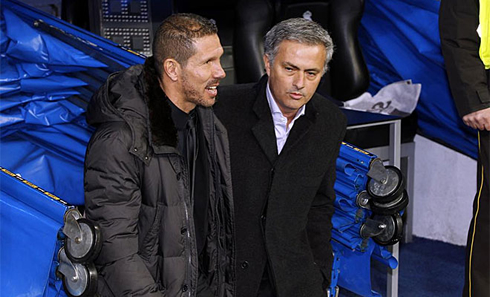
<point x="244" y="265"/>
<point x="262" y="217"/>
<point x="185" y="288"/>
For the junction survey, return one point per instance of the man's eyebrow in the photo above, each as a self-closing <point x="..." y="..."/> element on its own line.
<point x="297" y="68"/>
<point x="290" y="65"/>
<point x="212" y="56"/>
<point x="313" y="69"/>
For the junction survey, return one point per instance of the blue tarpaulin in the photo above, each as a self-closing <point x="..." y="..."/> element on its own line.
<point x="400" y="40"/>
<point x="45" y="84"/>
<point x="30" y="217"/>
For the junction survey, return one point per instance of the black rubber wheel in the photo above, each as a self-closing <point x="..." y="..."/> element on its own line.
<point x="86" y="250"/>
<point x="390" y="190"/>
<point x="395" y="206"/>
<point x="85" y="285"/>
<point x="393" y="232"/>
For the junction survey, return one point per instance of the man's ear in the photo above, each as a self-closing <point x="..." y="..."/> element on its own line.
<point x="267" y="65"/>
<point x="172" y="69"/>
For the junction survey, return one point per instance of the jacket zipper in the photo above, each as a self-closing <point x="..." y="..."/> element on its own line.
<point x="189" y="257"/>
<point x="188" y="233"/>
<point x="217" y="202"/>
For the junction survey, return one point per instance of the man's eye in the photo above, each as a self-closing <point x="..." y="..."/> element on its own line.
<point x="289" y="69"/>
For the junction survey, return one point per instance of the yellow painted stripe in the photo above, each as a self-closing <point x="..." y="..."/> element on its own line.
<point x="474" y="222"/>
<point x="52" y="196"/>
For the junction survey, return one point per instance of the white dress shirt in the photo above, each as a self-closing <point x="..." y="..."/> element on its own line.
<point x="280" y="121"/>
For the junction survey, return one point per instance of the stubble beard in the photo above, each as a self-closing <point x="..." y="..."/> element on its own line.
<point x="193" y="95"/>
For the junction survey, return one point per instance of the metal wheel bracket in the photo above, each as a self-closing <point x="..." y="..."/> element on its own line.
<point x="72" y="228"/>
<point x="377" y="171"/>
<point x="372" y="228"/>
<point x="79" y="280"/>
<point x="66" y="267"/>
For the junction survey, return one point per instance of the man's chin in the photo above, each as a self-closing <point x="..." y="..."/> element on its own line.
<point x="208" y="102"/>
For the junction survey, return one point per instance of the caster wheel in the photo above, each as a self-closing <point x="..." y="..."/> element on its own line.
<point x="86" y="246"/>
<point x="395" y="206"/>
<point x="388" y="190"/>
<point x="85" y="284"/>
<point x="393" y="231"/>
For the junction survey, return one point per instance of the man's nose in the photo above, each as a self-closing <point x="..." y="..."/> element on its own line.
<point x="299" y="80"/>
<point x="219" y="73"/>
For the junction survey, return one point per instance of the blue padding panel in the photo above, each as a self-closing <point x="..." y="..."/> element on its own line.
<point x="27" y="246"/>
<point x="355" y="269"/>
<point x="57" y="170"/>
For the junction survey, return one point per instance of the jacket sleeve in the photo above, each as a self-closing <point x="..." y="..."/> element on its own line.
<point x="319" y="226"/>
<point x="113" y="199"/>
<point x="460" y="43"/>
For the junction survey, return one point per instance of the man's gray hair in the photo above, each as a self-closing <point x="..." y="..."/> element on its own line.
<point x="299" y="30"/>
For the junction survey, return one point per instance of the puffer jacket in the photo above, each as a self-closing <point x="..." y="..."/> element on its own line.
<point x="137" y="189"/>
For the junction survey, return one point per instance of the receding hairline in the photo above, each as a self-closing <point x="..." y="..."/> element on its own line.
<point x="176" y="35"/>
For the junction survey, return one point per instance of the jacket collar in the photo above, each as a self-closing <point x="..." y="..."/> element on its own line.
<point x="161" y="125"/>
<point x="263" y="129"/>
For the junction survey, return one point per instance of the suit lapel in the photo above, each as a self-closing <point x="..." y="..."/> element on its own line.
<point x="301" y="127"/>
<point x="263" y="130"/>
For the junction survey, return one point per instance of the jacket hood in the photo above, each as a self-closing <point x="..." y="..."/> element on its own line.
<point x="128" y="96"/>
<point x="115" y="94"/>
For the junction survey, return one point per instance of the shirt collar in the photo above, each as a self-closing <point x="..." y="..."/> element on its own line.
<point x="179" y="117"/>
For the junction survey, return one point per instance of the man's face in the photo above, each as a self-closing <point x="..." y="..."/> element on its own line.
<point x="203" y="71"/>
<point x="295" y="74"/>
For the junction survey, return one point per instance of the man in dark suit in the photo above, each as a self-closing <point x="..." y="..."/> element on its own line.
<point x="284" y="141"/>
<point x="465" y="45"/>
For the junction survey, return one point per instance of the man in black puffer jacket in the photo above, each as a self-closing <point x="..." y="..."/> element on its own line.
<point x="157" y="171"/>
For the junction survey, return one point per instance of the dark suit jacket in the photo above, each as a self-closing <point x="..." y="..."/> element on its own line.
<point x="283" y="203"/>
<point x="460" y="45"/>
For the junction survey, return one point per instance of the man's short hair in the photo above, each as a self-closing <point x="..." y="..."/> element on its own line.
<point x="174" y="37"/>
<point x="299" y="30"/>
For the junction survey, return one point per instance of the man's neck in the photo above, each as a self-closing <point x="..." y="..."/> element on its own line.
<point x="175" y="95"/>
